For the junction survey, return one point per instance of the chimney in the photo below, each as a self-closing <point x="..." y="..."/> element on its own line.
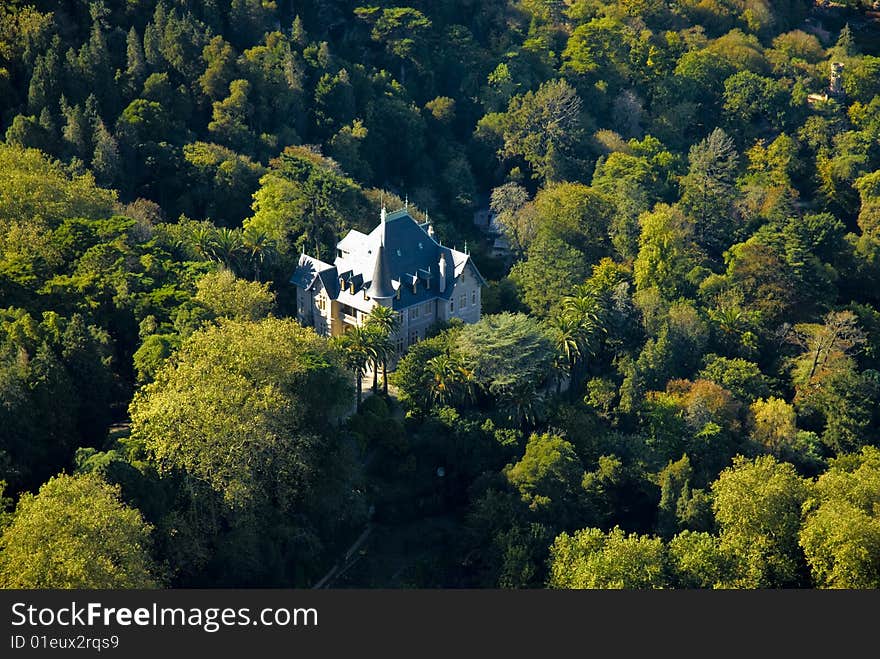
<point x="441" y="282"/>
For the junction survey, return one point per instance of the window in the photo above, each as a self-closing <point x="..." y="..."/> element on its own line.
<point x="413" y="337"/>
<point x="400" y="345"/>
<point x="462" y="301"/>
<point x="474" y="297"/>
<point x="321" y="302"/>
<point x="413" y="313"/>
<point x="451" y="306"/>
<point x="427" y="308"/>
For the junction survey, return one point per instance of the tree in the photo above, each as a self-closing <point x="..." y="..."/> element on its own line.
<point x="106" y="159"/>
<point x="697" y="560"/>
<point x="403" y="30"/>
<point x="136" y="67"/>
<point x="573" y="330"/>
<point x="743" y="378"/>
<point x="226" y="296"/>
<point x="757" y="504"/>
<point x="304" y="199"/>
<point x="577" y="215"/>
<point x="356" y="349"/>
<point x="507" y="202"/>
<point x="773" y="424"/>
<point x="231" y="117"/>
<point x="545" y="128"/>
<point x="511" y="357"/>
<point x="826" y="347"/>
<point x="827" y="381"/>
<point x="841" y="533"/>
<point x="76" y="533"/>
<point x="388" y="323"/>
<point x="243" y="407"/>
<point x="548" y="478"/>
<point x="220" y="68"/>
<point x="708" y="190"/>
<point x="593" y="559"/>
<point x="667" y="252"/>
<point x="221" y="183"/>
<point x="551" y="268"/>
<point x="451" y="381"/>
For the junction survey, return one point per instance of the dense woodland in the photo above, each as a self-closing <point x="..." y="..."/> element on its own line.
<point x="676" y="379"/>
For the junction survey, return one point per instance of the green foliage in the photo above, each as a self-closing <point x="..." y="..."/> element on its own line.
<point x="545" y="129"/>
<point x="241" y="407"/>
<point x="593" y="559"/>
<point x="693" y="229"/>
<point x="76" y="533"/>
<point x="511" y="356"/>
<point x="668" y="252"/>
<point x="758" y="507"/>
<point x="548" y="477"/>
<point x="304" y="200"/>
<point x="841" y="534"/>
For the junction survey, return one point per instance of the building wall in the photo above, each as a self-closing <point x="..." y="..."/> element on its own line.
<point x="466" y="300"/>
<point x="315" y="309"/>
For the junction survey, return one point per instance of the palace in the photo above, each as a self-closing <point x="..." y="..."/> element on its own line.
<point x="399" y="264"/>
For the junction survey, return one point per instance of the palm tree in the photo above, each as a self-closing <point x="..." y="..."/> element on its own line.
<point x="355" y="347"/>
<point x="203" y="236"/>
<point x="569" y="340"/>
<point x="259" y="248"/>
<point x="376" y="344"/>
<point x="583" y="306"/>
<point x="228" y="246"/>
<point x="450" y="380"/>
<point x="574" y="329"/>
<point x="387" y="321"/>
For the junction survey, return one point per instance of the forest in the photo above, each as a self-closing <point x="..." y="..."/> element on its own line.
<point x="676" y="378"/>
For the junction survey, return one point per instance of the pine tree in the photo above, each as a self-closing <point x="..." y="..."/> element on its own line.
<point x="76" y="133"/>
<point x="136" y="69"/>
<point x="43" y="89"/>
<point x="231" y="115"/>
<point x="105" y="159"/>
<point x="298" y="32"/>
<point x="845" y="42"/>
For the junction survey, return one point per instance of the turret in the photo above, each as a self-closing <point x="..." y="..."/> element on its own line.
<point x="381" y="287"/>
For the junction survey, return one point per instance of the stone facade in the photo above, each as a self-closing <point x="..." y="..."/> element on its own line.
<point x="400" y="265"/>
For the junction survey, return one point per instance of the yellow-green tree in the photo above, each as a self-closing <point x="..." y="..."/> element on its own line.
<point x="841" y="534"/>
<point x="76" y="533"/>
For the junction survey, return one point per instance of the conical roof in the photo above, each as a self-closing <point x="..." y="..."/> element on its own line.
<point x="381" y="287"/>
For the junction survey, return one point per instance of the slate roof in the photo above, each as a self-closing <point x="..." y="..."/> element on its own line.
<point x="309" y="270"/>
<point x="408" y="253"/>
